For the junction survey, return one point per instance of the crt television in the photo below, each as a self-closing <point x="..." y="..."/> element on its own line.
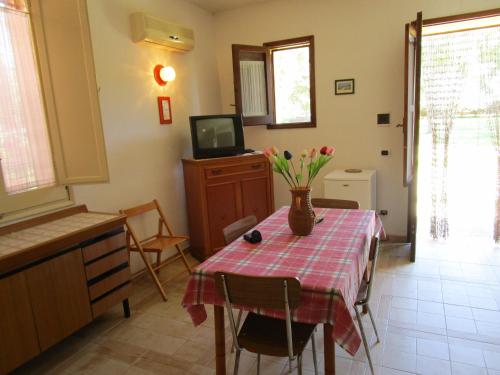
<point x="217" y="135"/>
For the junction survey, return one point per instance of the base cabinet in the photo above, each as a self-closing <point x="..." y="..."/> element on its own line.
<point x="18" y="335"/>
<point x="59" y="297"/>
<point x="51" y="288"/>
<point x="222" y="190"/>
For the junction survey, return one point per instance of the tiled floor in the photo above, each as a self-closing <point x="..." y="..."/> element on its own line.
<point x="439" y="315"/>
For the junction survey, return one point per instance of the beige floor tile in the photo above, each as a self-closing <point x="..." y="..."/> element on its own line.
<point x="432" y="366"/>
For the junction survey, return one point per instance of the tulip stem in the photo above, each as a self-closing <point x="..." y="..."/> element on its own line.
<point x="295" y="172"/>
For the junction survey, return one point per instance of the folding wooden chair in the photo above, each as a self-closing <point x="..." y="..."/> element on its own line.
<point x="154" y="244"/>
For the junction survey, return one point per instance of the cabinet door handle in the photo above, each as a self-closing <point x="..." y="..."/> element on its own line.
<point x="255" y="166"/>
<point x="345" y="185"/>
<point x="216" y="171"/>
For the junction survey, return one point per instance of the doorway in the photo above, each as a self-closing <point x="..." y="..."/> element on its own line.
<point x="458" y="147"/>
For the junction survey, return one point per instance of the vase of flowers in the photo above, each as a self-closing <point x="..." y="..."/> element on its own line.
<point x="301" y="216"/>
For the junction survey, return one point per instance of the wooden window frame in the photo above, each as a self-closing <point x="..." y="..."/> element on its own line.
<point x="252" y="53"/>
<point x="285" y="44"/>
<point x="462" y="17"/>
<point x="242" y="52"/>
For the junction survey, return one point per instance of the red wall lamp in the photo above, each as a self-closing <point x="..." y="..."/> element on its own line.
<point x="163" y="74"/>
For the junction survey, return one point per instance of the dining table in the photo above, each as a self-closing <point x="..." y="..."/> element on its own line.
<point x="329" y="263"/>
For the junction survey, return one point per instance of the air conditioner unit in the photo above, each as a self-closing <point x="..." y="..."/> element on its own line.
<point x="156" y="32"/>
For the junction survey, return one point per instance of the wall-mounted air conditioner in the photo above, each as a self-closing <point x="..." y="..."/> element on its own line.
<point x="156" y="32"/>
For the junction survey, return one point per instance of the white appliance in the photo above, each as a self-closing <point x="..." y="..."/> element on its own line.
<point x="361" y="187"/>
<point x="156" y="32"/>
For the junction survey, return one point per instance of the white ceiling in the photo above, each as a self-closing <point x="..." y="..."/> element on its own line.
<point x="215" y="6"/>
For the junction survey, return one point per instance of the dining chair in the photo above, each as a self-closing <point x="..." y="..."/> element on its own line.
<point x="238" y="228"/>
<point x="363" y="298"/>
<point x="156" y="243"/>
<point x="334" y="203"/>
<point x="261" y="334"/>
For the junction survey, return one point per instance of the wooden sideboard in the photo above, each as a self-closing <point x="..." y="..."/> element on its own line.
<point x="220" y="191"/>
<point x="57" y="273"/>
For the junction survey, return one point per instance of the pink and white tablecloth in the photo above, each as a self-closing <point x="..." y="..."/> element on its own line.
<point x="329" y="264"/>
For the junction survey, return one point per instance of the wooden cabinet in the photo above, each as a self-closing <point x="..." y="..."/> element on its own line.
<point x="59" y="297"/>
<point x="222" y="190"/>
<point x="18" y="336"/>
<point x="57" y="273"/>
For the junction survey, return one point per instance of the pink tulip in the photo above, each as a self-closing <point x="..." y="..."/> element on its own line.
<point x="325" y="150"/>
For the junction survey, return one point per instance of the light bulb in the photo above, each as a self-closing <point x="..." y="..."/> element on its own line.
<point x="167" y="73"/>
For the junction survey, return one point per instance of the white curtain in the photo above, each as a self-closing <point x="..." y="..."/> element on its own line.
<point x="489" y="65"/>
<point x="26" y="159"/>
<point x="253" y="86"/>
<point x="461" y="107"/>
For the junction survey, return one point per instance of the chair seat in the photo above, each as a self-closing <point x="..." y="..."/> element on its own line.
<point x="362" y="293"/>
<point x="267" y="336"/>
<point x="160" y="243"/>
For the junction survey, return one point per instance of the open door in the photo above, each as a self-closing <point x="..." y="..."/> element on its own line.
<point x="413" y="52"/>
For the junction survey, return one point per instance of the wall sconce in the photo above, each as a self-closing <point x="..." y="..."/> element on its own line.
<point x="164" y="74"/>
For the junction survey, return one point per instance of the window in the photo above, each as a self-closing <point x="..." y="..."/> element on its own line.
<point x="274" y="83"/>
<point x="50" y="125"/>
<point x="26" y="158"/>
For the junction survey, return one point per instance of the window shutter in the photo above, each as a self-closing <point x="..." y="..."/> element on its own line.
<point x="253" y="84"/>
<point x="62" y="38"/>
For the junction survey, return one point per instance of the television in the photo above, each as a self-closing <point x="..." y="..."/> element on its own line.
<point x="216" y="136"/>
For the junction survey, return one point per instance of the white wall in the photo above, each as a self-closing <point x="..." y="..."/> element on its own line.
<point x="144" y="158"/>
<point x="360" y="39"/>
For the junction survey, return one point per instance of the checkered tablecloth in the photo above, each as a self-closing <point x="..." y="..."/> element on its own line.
<point x="329" y="264"/>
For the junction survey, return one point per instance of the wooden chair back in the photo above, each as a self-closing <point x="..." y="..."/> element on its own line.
<point x="141" y="210"/>
<point x="238" y="228"/>
<point x="280" y="293"/>
<point x="259" y="292"/>
<point x="334" y="203"/>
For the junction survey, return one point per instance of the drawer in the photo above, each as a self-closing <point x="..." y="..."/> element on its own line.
<point x="109" y="283"/>
<point x="105" y="264"/>
<point x="235" y="169"/>
<point x="103" y="247"/>
<point x="351" y="190"/>
<point x="105" y="303"/>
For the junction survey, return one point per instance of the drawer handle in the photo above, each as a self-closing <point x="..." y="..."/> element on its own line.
<point x="256" y="166"/>
<point x="216" y="171"/>
<point x="345" y="185"/>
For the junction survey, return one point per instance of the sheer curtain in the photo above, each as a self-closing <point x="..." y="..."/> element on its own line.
<point x="461" y="107"/>
<point x="442" y="82"/>
<point x="489" y="65"/>
<point x="26" y="159"/>
<point x="253" y="85"/>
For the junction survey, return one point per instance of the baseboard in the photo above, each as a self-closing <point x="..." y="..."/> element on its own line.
<point x="394" y="238"/>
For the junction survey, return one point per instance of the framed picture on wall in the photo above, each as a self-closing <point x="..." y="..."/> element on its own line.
<point x="165" y="109"/>
<point x="344" y="86"/>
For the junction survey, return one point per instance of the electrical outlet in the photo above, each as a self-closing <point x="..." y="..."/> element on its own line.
<point x="385" y="152"/>
<point x="384" y="212"/>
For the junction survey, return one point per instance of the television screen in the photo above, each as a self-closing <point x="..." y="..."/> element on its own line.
<point x="215" y="133"/>
<point x="216" y="136"/>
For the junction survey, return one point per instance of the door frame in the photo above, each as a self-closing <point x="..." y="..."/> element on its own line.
<point x="412" y="187"/>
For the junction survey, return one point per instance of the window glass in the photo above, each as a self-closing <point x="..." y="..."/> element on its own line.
<point x="26" y="158"/>
<point x="292" y="85"/>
